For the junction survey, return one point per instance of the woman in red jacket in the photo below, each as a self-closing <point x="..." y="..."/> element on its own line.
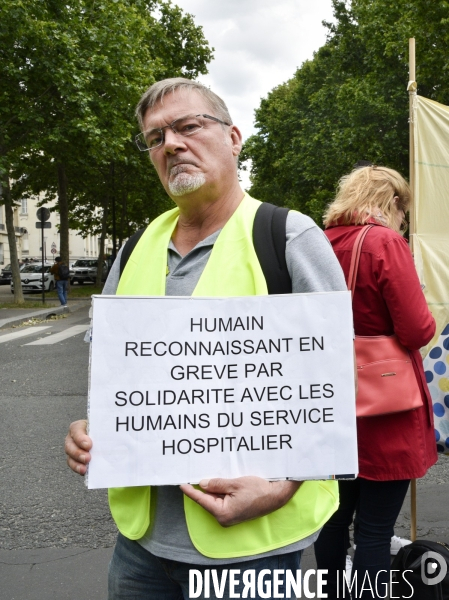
<point x="393" y="448"/>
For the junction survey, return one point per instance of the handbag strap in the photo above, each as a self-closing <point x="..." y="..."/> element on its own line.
<point x="355" y="258"/>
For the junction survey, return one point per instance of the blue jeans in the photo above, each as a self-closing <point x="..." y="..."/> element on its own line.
<point x="136" y="574"/>
<point x="61" y="288"/>
<point x="377" y="505"/>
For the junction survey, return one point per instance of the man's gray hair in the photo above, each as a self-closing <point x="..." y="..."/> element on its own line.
<point x="160" y="89"/>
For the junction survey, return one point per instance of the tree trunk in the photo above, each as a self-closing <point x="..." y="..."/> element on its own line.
<point x="63" y="203"/>
<point x="122" y="218"/>
<point x="104" y="229"/>
<point x="9" y="218"/>
<point x="114" y="232"/>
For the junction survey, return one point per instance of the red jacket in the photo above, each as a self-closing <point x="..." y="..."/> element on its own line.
<point x="387" y="300"/>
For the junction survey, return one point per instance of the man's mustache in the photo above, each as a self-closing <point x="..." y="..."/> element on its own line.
<point x="179" y="167"/>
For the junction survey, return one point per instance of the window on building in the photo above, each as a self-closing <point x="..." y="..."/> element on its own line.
<point x="2" y="256"/>
<point x="24" y="206"/>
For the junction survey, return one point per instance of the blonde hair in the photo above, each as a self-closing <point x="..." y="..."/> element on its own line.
<point x="369" y="193"/>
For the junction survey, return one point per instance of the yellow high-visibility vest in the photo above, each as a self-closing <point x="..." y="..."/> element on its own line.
<point x="232" y="270"/>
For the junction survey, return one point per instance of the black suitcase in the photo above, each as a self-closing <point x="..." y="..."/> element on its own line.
<point x="421" y="571"/>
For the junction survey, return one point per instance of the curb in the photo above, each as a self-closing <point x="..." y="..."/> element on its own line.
<point x="44" y="313"/>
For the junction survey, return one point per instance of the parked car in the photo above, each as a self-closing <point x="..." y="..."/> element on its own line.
<point x="31" y="277"/>
<point x="84" y="270"/>
<point x="6" y="274"/>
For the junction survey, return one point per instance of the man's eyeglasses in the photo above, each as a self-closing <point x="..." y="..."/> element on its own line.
<point x="185" y="126"/>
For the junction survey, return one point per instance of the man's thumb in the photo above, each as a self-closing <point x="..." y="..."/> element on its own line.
<point x="215" y="486"/>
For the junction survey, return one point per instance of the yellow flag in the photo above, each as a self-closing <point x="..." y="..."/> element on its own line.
<point x="431" y="247"/>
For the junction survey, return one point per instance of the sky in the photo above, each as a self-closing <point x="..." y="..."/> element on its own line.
<point x="258" y="45"/>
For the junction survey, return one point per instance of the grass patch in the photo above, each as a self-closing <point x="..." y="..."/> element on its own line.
<point x="83" y="291"/>
<point x="76" y="291"/>
<point x="26" y="305"/>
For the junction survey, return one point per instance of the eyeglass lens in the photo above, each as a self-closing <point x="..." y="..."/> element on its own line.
<point x="184" y="126"/>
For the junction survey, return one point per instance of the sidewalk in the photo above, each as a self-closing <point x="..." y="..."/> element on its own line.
<point x="16" y="316"/>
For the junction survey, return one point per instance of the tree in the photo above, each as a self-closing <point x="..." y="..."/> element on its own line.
<point x="9" y="217"/>
<point x="348" y="103"/>
<point x="71" y="75"/>
<point x="135" y="192"/>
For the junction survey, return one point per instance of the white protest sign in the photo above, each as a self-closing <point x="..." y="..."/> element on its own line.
<point x="183" y="389"/>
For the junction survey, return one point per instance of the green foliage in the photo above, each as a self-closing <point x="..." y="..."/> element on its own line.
<point x="130" y="184"/>
<point x="72" y="72"/>
<point x="348" y="103"/>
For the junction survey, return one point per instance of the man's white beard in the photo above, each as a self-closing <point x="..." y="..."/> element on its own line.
<point x="184" y="183"/>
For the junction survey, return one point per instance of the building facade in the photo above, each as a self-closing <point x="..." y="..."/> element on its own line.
<point x="29" y="237"/>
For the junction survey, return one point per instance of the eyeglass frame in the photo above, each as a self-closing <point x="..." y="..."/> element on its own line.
<point x="171" y="125"/>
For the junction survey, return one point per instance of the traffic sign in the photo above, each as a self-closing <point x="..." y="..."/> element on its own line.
<point x="43" y="214"/>
<point x="42" y="225"/>
<point x="53" y="245"/>
<point x="53" y="250"/>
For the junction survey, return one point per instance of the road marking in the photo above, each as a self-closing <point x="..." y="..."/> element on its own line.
<point x="23" y="332"/>
<point x="59" y="337"/>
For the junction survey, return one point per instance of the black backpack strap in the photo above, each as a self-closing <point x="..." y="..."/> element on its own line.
<point x="128" y="248"/>
<point x="269" y="239"/>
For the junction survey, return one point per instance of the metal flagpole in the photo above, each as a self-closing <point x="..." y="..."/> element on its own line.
<point x="411" y="88"/>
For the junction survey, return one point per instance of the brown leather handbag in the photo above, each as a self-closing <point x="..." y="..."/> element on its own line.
<point x="386" y="379"/>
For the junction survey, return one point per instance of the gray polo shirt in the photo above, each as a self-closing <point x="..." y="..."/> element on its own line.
<point x="313" y="267"/>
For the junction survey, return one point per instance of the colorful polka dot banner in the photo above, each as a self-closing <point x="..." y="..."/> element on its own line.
<point x="436" y="367"/>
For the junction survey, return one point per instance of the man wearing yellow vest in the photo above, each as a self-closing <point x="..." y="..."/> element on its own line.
<point x="204" y="247"/>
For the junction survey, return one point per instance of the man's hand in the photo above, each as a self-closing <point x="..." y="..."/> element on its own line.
<point x="77" y="446"/>
<point x="233" y="501"/>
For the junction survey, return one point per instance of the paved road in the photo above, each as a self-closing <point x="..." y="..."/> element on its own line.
<point x="55" y="535"/>
<point x="47" y="514"/>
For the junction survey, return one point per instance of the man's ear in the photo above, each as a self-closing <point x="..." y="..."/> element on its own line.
<point x="236" y="140"/>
